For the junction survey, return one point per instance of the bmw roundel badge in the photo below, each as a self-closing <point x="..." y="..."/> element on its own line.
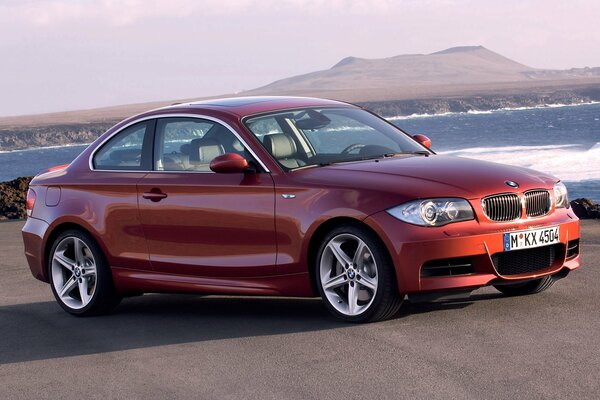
<point x="512" y="184"/>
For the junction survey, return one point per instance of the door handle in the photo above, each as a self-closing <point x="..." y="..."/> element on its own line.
<point x="154" y="195"/>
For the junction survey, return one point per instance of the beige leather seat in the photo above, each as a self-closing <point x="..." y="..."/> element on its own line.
<point x="283" y="148"/>
<point x="203" y="151"/>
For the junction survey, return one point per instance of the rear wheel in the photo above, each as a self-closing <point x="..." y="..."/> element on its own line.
<point x="355" y="276"/>
<point x="79" y="275"/>
<point x="530" y="287"/>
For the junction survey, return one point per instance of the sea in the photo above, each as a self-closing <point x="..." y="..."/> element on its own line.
<point x="562" y="140"/>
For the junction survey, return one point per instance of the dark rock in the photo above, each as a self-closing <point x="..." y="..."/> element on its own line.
<point x="586" y="208"/>
<point x="13" y="195"/>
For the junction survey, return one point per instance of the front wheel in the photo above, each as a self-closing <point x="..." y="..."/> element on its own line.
<point x="80" y="278"/>
<point x="530" y="287"/>
<point x="355" y="276"/>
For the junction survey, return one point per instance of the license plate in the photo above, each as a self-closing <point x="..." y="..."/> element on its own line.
<point x="530" y="238"/>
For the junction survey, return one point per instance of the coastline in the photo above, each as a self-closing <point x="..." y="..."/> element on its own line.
<point x="32" y="137"/>
<point x="497" y="110"/>
<point x="485" y="103"/>
<point x="389" y="118"/>
<point x="75" y="134"/>
<point x="45" y="147"/>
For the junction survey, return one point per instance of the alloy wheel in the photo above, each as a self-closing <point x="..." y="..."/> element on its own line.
<point x="74" y="272"/>
<point x="348" y="274"/>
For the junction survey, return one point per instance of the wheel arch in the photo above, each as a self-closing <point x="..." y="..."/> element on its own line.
<point x="55" y="232"/>
<point x="319" y="234"/>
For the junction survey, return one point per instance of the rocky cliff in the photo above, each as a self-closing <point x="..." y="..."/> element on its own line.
<point x="483" y="102"/>
<point x="13" y="195"/>
<point x="25" y="137"/>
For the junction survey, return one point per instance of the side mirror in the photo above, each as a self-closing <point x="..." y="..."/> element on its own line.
<point x="424" y="140"/>
<point x="229" y="163"/>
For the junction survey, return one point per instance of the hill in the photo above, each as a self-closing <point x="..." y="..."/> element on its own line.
<point x="457" y="65"/>
<point x="465" y="70"/>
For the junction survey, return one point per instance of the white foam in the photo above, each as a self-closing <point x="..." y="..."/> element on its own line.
<point x="44" y="148"/>
<point x="413" y="116"/>
<point x="497" y="110"/>
<point x="477" y="112"/>
<point x="569" y="162"/>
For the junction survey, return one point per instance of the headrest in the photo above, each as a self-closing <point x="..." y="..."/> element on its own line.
<point x="280" y="145"/>
<point x="125" y="155"/>
<point x="204" y="150"/>
<point x="226" y="138"/>
<point x="186" y="148"/>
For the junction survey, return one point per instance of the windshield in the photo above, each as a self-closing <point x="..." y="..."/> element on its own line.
<point x="318" y="136"/>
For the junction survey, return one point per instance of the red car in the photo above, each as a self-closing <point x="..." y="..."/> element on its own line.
<point x="290" y="197"/>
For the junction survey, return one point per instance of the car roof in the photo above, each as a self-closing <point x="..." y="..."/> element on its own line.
<point x="244" y="106"/>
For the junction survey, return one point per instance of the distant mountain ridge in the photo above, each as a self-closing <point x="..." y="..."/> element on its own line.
<point x="464" y="65"/>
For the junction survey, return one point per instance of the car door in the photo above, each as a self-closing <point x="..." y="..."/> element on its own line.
<point x="198" y="222"/>
<point x="111" y="201"/>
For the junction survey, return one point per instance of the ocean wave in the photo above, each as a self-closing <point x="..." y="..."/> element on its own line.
<point x="45" y="148"/>
<point x="413" y="116"/>
<point x="496" y="110"/>
<point x="570" y="162"/>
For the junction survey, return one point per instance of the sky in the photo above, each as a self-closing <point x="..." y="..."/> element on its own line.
<point x="59" y="55"/>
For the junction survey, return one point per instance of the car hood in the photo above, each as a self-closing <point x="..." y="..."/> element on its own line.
<point x="417" y="176"/>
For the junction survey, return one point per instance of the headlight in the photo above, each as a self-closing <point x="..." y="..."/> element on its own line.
<point x="561" y="200"/>
<point x="433" y="212"/>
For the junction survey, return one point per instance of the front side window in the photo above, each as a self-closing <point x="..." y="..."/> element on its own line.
<point x="124" y="151"/>
<point x="190" y="144"/>
<point x="311" y="136"/>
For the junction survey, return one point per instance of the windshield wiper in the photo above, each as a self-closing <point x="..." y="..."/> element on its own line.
<point x="373" y="157"/>
<point x="400" y="153"/>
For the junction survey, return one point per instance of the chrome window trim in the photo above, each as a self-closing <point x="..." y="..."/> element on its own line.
<point x="174" y="115"/>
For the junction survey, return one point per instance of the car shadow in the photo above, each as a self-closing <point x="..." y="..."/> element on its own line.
<point x="411" y="308"/>
<point x="39" y="331"/>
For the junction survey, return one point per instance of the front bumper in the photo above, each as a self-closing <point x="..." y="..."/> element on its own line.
<point x="412" y="247"/>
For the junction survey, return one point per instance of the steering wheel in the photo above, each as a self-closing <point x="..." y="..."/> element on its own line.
<point x="353" y="146"/>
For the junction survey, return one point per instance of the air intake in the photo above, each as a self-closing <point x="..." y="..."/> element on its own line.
<point x="447" y="267"/>
<point x="573" y="248"/>
<point x="525" y="261"/>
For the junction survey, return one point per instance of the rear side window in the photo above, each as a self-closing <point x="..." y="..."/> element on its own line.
<point x="125" y="150"/>
<point x="190" y="144"/>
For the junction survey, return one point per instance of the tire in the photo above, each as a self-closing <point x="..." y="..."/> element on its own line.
<point x="530" y="287"/>
<point x="80" y="278"/>
<point x="355" y="276"/>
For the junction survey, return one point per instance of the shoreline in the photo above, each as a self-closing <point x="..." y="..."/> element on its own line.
<point x="483" y="104"/>
<point x="393" y="118"/>
<point x="57" y="146"/>
<point x="491" y="111"/>
<point x="51" y="136"/>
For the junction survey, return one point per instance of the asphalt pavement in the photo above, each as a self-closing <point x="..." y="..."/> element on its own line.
<point x="544" y="346"/>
